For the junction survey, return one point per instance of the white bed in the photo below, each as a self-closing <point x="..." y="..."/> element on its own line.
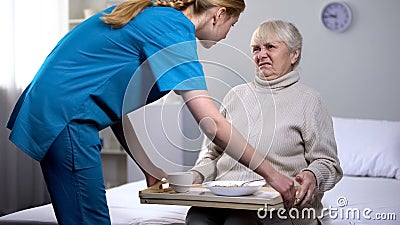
<point x="363" y="200"/>
<point x="124" y="205"/>
<point x="369" y="151"/>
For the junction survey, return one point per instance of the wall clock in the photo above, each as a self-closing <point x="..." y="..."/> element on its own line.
<point x="336" y="16"/>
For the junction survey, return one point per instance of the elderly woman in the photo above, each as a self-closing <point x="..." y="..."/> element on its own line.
<point x="286" y="121"/>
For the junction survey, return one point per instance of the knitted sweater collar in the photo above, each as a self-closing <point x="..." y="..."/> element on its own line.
<point x="279" y="83"/>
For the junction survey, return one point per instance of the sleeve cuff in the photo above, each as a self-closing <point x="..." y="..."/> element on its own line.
<point x="317" y="174"/>
<point x="207" y="168"/>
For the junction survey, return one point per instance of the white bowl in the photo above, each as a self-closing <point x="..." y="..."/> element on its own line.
<point x="233" y="188"/>
<point x="180" y="181"/>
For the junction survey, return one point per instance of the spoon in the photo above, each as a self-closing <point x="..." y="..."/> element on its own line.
<point x="250" y="181"/>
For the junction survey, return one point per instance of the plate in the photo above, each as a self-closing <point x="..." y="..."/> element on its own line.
<point x="233" y="188"/>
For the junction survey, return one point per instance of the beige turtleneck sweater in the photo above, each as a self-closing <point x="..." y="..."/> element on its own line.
<point x="287" y="122"/>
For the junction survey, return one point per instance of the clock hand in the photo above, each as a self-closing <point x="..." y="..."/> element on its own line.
<point x="331" y="16"/>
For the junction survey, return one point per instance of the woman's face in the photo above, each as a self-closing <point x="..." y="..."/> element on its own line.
<point x="273" y="59"/>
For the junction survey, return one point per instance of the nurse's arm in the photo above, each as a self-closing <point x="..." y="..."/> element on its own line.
<point x="223" y="134"/>
<point x="131" y="144"/>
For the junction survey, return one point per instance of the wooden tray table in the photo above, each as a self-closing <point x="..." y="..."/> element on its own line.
<point x="266" y="198"/>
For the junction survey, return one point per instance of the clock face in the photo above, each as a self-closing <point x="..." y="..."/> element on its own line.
<point x="336" y="16"/>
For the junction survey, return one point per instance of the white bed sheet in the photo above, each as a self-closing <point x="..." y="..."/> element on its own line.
<point x="380" y="195"/>
<point x="124" y="206"/>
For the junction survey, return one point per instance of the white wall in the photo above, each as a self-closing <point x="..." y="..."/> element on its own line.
<point x="355" y="71"/>
<point x="169" y="134"/>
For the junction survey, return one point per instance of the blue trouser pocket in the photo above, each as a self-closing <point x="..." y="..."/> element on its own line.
<point x="85" y="144"/>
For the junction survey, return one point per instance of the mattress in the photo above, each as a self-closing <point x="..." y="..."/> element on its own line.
<point x="124" y="206"/>
<point x="363" y="200"/>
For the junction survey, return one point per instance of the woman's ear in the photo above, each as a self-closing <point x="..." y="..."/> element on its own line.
<point x="219" y="15"/>
<point x="295" y="56"/>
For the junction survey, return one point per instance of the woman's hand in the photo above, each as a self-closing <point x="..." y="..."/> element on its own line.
<point x="197" y="177"/>
<point x="285" y="186"/>
<point x="308" y="188"/>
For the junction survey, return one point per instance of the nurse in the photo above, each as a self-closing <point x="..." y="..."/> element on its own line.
<point x="137" y="51"/>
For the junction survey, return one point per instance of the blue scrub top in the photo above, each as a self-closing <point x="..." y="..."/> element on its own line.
<point x="96" y="74"/>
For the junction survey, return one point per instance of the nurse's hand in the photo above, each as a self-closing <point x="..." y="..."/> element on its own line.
<point x="156" y="176"/>
<point x="285" y="186"/>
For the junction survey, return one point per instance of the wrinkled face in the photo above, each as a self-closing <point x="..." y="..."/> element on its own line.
<point x="216" y="31"/>
<point x="273" y="59"/>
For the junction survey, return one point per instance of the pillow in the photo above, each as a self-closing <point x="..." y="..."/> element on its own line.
<point x="368" y="147"/>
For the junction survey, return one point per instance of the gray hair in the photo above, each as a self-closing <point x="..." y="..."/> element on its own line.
<point x="278" y="30"/>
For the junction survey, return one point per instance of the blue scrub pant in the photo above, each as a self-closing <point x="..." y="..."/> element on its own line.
<point x="73" y="174"/>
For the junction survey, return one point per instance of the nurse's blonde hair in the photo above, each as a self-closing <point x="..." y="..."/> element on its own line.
<point x="279" y="30"/>
<point x="126" y="11"/>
